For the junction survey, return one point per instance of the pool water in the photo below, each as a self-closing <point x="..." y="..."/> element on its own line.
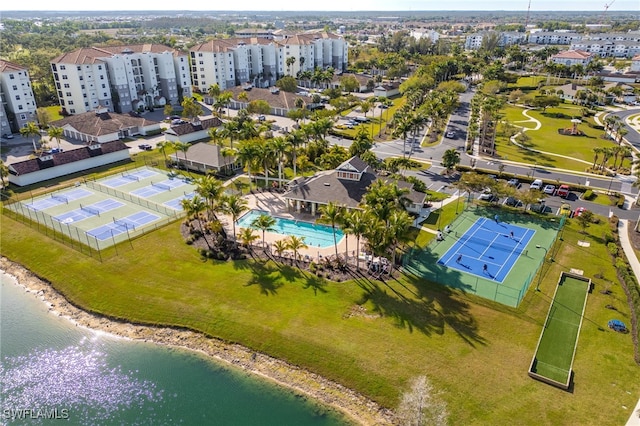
<point x="315" y="235"/>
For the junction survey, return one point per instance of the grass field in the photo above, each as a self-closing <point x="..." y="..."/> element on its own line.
<point x="579" y="149"/>
<point x="475" y="352"/>
<point x="556" y="349"/>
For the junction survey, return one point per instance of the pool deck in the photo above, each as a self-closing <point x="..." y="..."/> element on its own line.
<point x="276" y="206"/>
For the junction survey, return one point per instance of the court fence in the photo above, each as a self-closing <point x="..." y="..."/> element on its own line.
<point x="421" y="262"/>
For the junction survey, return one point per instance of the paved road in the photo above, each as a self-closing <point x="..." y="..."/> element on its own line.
<point x="633" y="137"/>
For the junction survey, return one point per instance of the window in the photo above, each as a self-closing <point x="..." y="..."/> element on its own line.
<point x="106" y="102"/>
<point x="100" y="67"/>
<point x="201" y="75"/>
<point x="202" y="69"/>
<point x="15" y="87"/>
<point x="64" y="77"/>
<point x="20" y="107"/>
<point x="81" y="78"/>
<point x="11" y="76"/>
<point x="199" y="55"/>
<point x="17" y="97"/>
<point x="68" y="94"/>
<point x="86" y="104"/>
<point x="58" y="85"/>
<point x="70" y="102"/>
<point x="104" y="86"/>
<point x="79" y="68"/>
<point x="66" y="85"/>
<point x="102" y="77"/>
<point x="104" y="94"/>
<point x="62" y="67"/>
<point x="72" y="111"/>
<point x="84" y="95"/>
<point x="201" y="62"/>
<point x="23" y="116"/>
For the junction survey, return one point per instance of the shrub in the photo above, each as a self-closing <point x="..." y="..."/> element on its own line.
<point x="589" y="195"/>
<point x="613" y="248"/>
<point x="620" y="202"/>
<point x="608" y="238"/>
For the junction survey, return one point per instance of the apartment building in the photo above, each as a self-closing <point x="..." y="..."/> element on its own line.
<point x="261" y="61"/>
<point x="554" y="37"/>
<point x="618" y="45"/>
<point x="474" y="41"/>
<point x="121" y="78"/>
<point x="18" y="102"/>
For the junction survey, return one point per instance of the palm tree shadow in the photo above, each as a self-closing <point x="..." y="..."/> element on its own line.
<point x="269" y="284"/>
<point x="316" y="284"/>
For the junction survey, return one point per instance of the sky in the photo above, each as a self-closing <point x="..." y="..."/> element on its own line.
<point x="327" y="5"/>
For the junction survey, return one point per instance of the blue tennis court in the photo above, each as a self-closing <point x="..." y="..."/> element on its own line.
<point x="122" y="225"/>
<point x="126" y="178"/>
<point x="176" y="203"/>
<point x="88" y="211"/>
<point x="58" y="198"/>
<point x="488" y="249"/>
<point x="158" y="188"/>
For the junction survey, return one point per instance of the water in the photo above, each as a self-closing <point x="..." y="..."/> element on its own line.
<point x="315" y="235"/>
<point x="87" y="377"/>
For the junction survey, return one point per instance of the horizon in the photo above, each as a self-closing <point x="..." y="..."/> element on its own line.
<point x="608" y="6"/>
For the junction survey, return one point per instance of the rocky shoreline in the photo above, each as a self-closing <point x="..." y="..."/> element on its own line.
<point x="355" y="406"/>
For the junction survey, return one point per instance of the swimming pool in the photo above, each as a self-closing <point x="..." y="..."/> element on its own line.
<point x="315" y="235"/>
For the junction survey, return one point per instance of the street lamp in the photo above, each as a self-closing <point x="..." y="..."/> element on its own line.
<point x="538" y="246"/>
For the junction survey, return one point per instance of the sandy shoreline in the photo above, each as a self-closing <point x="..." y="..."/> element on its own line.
<point x="358" y="408"/>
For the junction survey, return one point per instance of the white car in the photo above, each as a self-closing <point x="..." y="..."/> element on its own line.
<point x="450" y="135"/>
<point x="536" y="184"/>
<point x="549" y="189"/>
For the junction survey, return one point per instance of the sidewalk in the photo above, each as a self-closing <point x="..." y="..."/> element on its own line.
<point x="623" y="232"/>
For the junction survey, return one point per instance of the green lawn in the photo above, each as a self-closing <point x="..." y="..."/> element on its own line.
<point x="557" y="344"/>
<point x="547" y="139"/>
<point x="475" y="352"/>
<point x="531" y="81"/>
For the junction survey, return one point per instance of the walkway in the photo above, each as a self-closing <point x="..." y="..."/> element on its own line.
<point x="623" y="232"/>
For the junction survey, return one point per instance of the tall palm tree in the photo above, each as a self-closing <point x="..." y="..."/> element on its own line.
<point x="265" y="223"/>
<point x="194" y="208"/>
<point x="296" y="244"/>
<point x="398" y="228"/>
<point x="296" y="139"/>
<point x="230" y="130"/>
<point x="55" y="133"/>
<point x="358" y="224"/>
<point x="211" y="189"/>
<point x="4" y="172"/>
<point x="596" y="154"/>
<point x="450" y="159"/>
<point x="31" y="130"/>
<point x="248" y="153"/>
<point x="182" y="147"/>
<point x="332" y="214"/>
<point x="606" y="155"/>
<point x="234" y="205"/>
<point x="163" y="146"/>
<point x="280" y="146"/>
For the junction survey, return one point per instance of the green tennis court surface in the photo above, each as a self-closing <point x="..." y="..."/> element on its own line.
<point x="556" y="348"/>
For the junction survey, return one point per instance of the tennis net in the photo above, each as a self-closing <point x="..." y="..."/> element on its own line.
<point x="161" y="185"/>
<point x="60" y="198"/>
<point x="124" y="224"/>
<point x="516" y="247"/>
<point x="94" y="211"/>
<point x="131" y="177"/>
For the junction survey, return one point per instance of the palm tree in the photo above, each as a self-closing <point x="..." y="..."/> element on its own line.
<point x="620" y="134"/>
<point x="606" y="155"/>
<point x="358" y="224"/>
<point x="450" y="159"/>
<point x="280" y="146"/>
<point x="265" y="223"/>
<point x="289" y="62"/>
<point x="279" y="247"/>
<point x="596" y="154"/>
<point x="234" y="206"/>
<point x="4" y="172"/>
<point x="162" y="146"/>
<point x="247" y="237"/>
<point x="295" y="138"/>
<point x="398" y="228"/>
<point x="211" y="189"/>
<point x="296" y="244"/>
<point x="31" y="130"/>
<point x="332" y="213"/>
<point x="55" y="133"/>
<point x="214" y="91"/>
<point x="230" y="130"/>
<point x="248" y="153"/>
<point x="194" y="208"/>
<point x="224" y="100"/>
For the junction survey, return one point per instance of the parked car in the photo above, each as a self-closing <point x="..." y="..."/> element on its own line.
<point x="563" y="191"/>
<point x="487" y="195"/>
<point x="579" y="211"/>
<point x="261" y="118"/>
<point x="7" y="136"/>
<point x="536" y="184"/>
<point x="514" y="182"/>
<point x="54" y="150"/>
<point x="512" y="201"/>
<point x="383" y="106"/>
<point x="549" y="189"/>
<point x="145" y="147"/>
<point x="173" y="117"/>
<point x="565" y="210"/>
<point x="539" y="207"/>
<point x="450" y="135"/>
